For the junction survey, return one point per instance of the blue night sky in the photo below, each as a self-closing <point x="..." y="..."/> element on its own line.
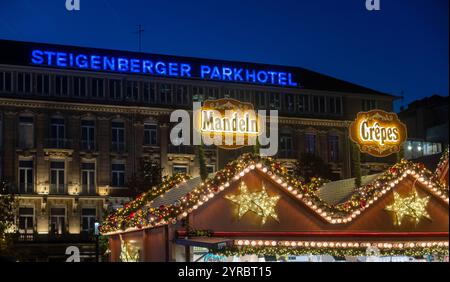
<point x="403" y="47"/>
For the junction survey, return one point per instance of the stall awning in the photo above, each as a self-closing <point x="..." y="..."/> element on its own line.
<point x="205" y="242"/>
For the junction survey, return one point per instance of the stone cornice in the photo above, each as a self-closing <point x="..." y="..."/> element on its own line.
<point x="103" y="108"/>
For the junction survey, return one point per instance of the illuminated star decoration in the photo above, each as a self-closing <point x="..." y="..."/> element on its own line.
<point x="258" y="202"/>
<point x="411" y="206"/>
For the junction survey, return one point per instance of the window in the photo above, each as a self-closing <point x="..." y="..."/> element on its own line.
<point x="57" y="221"/>
<point x="150" y="134"/>
<point x="179" y="169"/>
<point x="289" y="102"/>
<point x="57" y="177"/>
<point x="118" y="136"/>
<point x="26" y="176"/>
<point x="26" y="132"/>
<point x="165" y="93"/>
<point x="79" y="86"/>
<point x="274" y="100"/>
<point x="149" y="92"/>
<point x="115" y="89"/>
<point x="97" y="88"/>
<point x="118" y="175"/>
<point x="310" y="143"/>
<point x="260" y="99"/>
<point x="286" y="146"/>
<point x="213" y="93"/>
<point x="24" y="82"/>
<point x="88" y="135"/>
<point x="26" y="220"/>
<point x="88" y="178"/>
<point x="42" y="84"/>
<point x="58" y="133"/>
<point x="88" y="216"/>
<point x="61" y="85"/>
<point x="333" y="148"/>
<point x="182" y="96"/>
<point x="210" y="168"/>
<point x="368" y="105"/>
<point x="5" y="81"/>
<point x="132" y="90"/>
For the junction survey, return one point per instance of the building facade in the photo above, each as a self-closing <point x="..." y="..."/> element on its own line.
<point x="72" y="136"/>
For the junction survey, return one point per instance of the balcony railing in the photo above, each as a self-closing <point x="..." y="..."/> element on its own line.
<point x="118" y="147"/>
<point x="58" y="189"/>
<point x="58" y="143"/>
<point x="182" y="149"/>
<point x="25" y="188"/>
<point x="83" y="237"/>
<point x="287" y="154"/>
<point x="88" y="145"/>
<point x="88" y="190"/>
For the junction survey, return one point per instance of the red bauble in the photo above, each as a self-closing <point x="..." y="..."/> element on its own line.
<point x="393" y="170"/>
<point x="362" y="203"/>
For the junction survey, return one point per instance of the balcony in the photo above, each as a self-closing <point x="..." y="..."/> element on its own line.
<point x="58" y="189"/>
<point x="181" y="150"/>
<point x="83" y="237"/>
<point x="24" y="188"/>
<point x="57" y="143"/>
<point x="287" y="154"/>
<point x="88" y="190"/>
<point x="118" y="147"/>
<point x="88" y="146"/>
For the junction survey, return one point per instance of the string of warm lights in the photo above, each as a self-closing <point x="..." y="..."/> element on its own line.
<point x="342" y="213"/>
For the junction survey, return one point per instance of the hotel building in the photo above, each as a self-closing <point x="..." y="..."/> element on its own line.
<point x="72" y="133"/>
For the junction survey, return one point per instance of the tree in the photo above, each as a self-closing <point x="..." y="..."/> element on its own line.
<point x="311" y="166"/>
<point x="356" y="161"/>
<point x="202" y="162"/>
<point x="148" y="176"/>
<point x="7" y="215"/>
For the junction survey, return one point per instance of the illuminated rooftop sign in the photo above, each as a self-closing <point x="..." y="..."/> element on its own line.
<point x="378" y="133"/>
<point x="154" y="66"/>
<point x="232" y="122"/>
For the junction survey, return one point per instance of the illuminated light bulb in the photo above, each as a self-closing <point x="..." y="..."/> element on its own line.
<point x="313" y="244"/>
<point x="252" y="167"/>
<point x="273" y="177"/>
<point x="290" y="188"/>
<point x="221" y="188"/>
<point x="344" y="220"/>
<point x="408" y="171"/>
<point x="227" y="184"/>
<point x="284" y="185"/>
<point x="264" y="169"/>
<point x="349" y="218"/>
<point x="253" y="243"/>
<point x="241" y="174"/>
<point x="396" y="181"/>
<point x="324" y="214"/>
<point x="440" y="244"/>
<point x="329" y="218"/>
<point x="246" y="242"/>
<point x="294" y="244"/>
<point x="446" y="244"/>
<point x="319" y="244"/>
<point x="371" y="202"/>
<point x="306" y="244"/>
<point x="240" y="242"/>
<point x="356" y="245"/>
<point x="380" y="245"/>
<point x="184" y="214"/>
<point x="421" y="179"/>
<point x="319" y="210"/>
<point x="333" y="221"/>
<point x="260" y="243"/>
<point x="309" y="203"/>
<point x="294" y="192"/>
<point x="392" y="184"/>
<point x="267" y="243"/>
<point x="350" y="245"/>
<point x="344" y="245"/>
<point x="339" y="220"/>
<point x="258" y="165"/>
<point x="189" y="210"/>
<point x="247" y="170"/>
<point x="300" y="243"/>
<point x="279" y="181"/>
<point x="331" y="244"/>
<point x="439" y="193"/>
<point x="354" y="215"/>
<point x="211" y="195"/>
<point x="429" y="244"/>
<point x="314" y="207"/>
<point x="195" y="207"/>
<point x="338" y="245"/>
<point x="299" y="196"/>
<point x="423" y="244"/>
<point x="236" y="177"/>
<point x="274" y="243"/>
<point x="325" y="244"/>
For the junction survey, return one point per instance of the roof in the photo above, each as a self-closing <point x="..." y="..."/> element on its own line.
<point x="18" y="53"/>
<point x="336" y="192"/>
<point x="179" y="204"/>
